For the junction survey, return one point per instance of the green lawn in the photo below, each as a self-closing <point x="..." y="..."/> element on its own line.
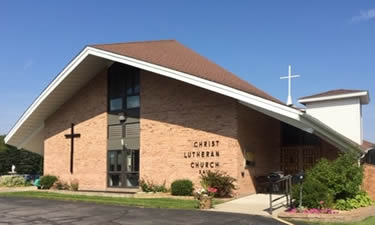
<point x="368" y="221"/>
<point x="140" y="202"/>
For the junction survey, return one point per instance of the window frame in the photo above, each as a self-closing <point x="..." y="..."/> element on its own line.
<point x="123" y="76"/>
<point x="123" y="173"/>
<point x="129" y="74"/>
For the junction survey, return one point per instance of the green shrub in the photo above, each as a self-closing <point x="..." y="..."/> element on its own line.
<point x="60" y="185"/>
<point x="343" y="176"/>
<point x="360" y="200"/>
<point x="160" y="188"/>
<point x="12" y="181"/>
<point x="182" y="187"/>
<point x="314" y="194"/>
<point x="330" y="181"/>
<point x="46" y="182"/>
<point x="348" y="177"/>
<point x="147" y="186"/>
<point x="219" y="180"/>
<point x="74" y="185"/>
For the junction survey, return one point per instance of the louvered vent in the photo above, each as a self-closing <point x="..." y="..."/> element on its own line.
<point x="132" y="130"/>
<point x="115" y="132"/>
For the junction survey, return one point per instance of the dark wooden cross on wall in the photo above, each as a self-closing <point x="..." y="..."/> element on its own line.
<point x="71" y="136"/>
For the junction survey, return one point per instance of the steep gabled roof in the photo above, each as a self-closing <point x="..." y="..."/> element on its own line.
<point x="166" y="58"/>
<point x="174" y="55"/>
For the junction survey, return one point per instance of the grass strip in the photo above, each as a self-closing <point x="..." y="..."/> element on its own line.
<point x="139" y="202"/>
<point x="367" y="221"/>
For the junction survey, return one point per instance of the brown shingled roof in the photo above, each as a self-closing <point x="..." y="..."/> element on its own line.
<point x="366" y="145"/>
<point x="173" y="55"/>
<point x="332" y="93"/>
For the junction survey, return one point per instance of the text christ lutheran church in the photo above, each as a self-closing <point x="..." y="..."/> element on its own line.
<point x="205" y="159"/>
<point x="158" y="111"/>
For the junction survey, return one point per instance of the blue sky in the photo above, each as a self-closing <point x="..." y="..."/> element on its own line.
<point x="329" y="43"/>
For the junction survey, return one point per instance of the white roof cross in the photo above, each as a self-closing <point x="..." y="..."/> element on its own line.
<point x="289" y="77"/>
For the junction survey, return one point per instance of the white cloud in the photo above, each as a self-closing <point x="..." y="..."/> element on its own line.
<point x="28" y="64"/>
<point x="364" y="16"/>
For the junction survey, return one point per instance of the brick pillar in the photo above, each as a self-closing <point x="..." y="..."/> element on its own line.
<point x="369" y="180"/>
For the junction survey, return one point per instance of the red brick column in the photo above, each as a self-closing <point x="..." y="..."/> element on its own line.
<point x="369" y="180"/>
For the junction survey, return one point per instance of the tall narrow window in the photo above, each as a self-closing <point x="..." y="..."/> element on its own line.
<point x="123" y="126"/>
<point x="116" y="86"/>
<point x="132" y="91"/>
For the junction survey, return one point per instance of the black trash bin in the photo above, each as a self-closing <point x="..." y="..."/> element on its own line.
<point x="273" y="178"/>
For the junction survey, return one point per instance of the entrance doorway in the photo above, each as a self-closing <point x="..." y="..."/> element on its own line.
<point x="123" y="169"/>
<point x="295" y="159"/>
<point x="300" y="150"/>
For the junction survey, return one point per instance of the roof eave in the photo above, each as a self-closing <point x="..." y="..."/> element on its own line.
<point x="363" y="95"/>
<point x="339" y="140"/>
<point x="55" y="82"/>
<point x="264" y="104"/>
<point x="184" y="77"/>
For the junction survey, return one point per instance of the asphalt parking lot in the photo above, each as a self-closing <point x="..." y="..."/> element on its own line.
<point x="41" y="211"/>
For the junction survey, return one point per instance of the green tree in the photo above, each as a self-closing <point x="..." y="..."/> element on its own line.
<point x="26" y="162"/>
<point x="2" y="143"/>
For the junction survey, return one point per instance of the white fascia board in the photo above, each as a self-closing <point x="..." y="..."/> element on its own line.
<point x="266" y="105"/>
<point x="318" y="99"/>
<point x="337" y="139"/>
<point x="184" y="77"/>
<point x="311" y="125"/>
<point x="291" y="121"/>
<point x="200" y="82"/>
<point x="52" y="86"/>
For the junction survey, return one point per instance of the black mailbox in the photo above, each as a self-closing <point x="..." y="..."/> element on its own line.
<point x="299" y="177"/>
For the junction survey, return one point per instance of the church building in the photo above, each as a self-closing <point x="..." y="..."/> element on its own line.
<point x="158" y="111"/>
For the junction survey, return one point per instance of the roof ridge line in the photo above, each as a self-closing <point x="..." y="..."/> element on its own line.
<point x="135" y="42"/>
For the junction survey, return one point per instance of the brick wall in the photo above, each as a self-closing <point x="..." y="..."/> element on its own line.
<point x="261" y="135"/>
<point x="176" y="120"/>
<point x="185" y="130"/>
<point x="87" y="109"/>
<point x="175" y="115"/>
<point x="369" y="180"/>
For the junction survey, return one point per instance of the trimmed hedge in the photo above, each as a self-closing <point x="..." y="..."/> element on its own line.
<point x="12" y="181"/>
<point x="182" y="187"/>
<point x="46" y="182"/>
<point x="26" y="162"/>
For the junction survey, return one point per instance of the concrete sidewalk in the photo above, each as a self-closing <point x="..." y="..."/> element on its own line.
<point x="257" y="204"/>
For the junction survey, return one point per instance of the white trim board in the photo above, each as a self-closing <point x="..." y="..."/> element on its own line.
<point x="290" y="114"/>
<point x="187" y="78"/>
<point x="52" y="86"/>
<point x="333" y="97"/>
